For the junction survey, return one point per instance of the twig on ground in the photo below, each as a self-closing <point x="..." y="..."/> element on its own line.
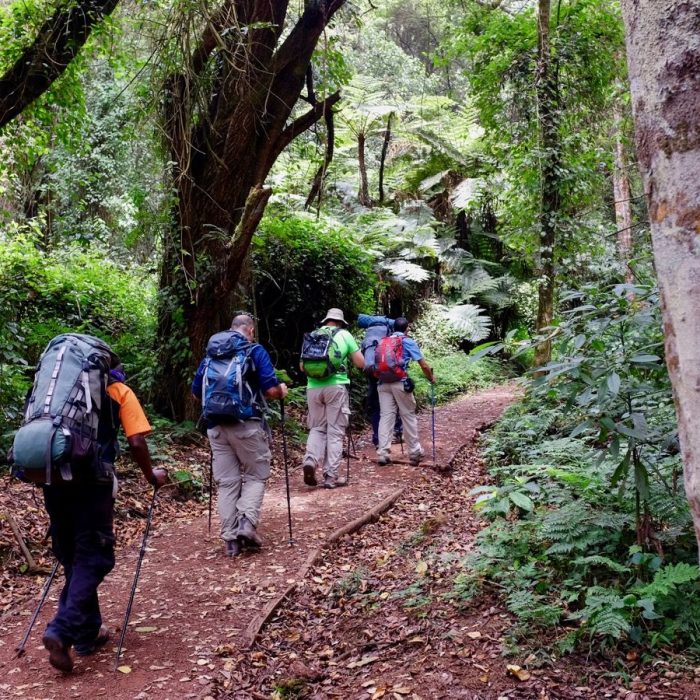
<point x="34" y="568"/>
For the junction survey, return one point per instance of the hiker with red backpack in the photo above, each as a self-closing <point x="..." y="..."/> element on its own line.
<point x="393" y="355"/>
<point x="68" y="443"/>
<point x="232" y="382"/>
<point x="377" y="327"/>
<point x="324" y="359"/>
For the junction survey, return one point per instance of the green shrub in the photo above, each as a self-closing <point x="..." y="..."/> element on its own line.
<point x="590" y="535"/>
<point x="44" y="293"/>
<point x="302" y="267"/>
<point x="455" y="375"/>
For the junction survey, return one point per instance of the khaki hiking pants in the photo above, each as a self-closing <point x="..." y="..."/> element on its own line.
<point x="329" y="415"/>
<point x="241" y="454"/>
<point x="393" y="398"/>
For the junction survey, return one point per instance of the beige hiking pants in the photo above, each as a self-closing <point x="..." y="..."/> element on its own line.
<point x="241" y="454"/>
<point x="329" y="415"/>
<point x="393" y="398"/>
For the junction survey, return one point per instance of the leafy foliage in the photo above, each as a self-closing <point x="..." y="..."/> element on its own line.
<point x="302" y="268"/>
<point x="588" y="513"/>
<point x="43" y="294"/>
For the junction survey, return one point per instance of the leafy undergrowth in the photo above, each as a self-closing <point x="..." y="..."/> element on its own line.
<point x="591" y="542"/>
<point x="383" y="616"/>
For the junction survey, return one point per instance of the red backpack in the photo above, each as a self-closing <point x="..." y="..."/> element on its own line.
<point x="389" y="359"/>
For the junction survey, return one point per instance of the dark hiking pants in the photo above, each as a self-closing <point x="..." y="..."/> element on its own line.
<point x="83" y="541"/>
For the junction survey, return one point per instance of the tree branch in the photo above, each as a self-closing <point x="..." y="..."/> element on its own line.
<point x="317" y="184"/>
<point x="316" y="16"/>
<point x="306" y="121"/>
<point x="47" y="58"/>
<point x="240" y="240"/>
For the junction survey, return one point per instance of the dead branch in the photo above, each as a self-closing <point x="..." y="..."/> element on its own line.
<point x="257" y="623"/>
<point x="31" y="562"/>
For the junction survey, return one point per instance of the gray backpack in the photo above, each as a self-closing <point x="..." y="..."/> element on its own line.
<point x="59" y="432"/>
<point x="373" y="337"/>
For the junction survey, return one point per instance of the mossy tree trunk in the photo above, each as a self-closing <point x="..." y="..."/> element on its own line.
<point x="546" y="86"/>
<point x="227" y="119"/>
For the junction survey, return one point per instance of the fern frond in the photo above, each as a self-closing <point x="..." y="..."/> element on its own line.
<point x="468" y="320"/>
<point x="404" y="271"/>
<point x="467" y="193"/>
<point x="604" y="613"/>
<point x="597" y="560"/>
<point x="667" y="578"/>
<point x="500" y="294"/>
<point x="532" y="608"/>
<point x="609" y="623"/>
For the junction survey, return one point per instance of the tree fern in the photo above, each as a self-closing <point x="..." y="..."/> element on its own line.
<point x="500" y="294"/>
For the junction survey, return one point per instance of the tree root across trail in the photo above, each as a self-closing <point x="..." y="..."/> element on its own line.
<point x="366" y="618"/>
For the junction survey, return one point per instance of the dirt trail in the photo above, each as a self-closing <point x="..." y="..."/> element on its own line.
<point x="192" y="601"/>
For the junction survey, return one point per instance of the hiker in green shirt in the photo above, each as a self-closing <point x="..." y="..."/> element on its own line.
<point x="327" y="397"/>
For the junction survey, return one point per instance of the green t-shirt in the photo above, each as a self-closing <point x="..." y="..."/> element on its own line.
<point x="344" y="341"/>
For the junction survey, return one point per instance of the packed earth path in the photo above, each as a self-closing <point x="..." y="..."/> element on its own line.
<point x="308" y="620"/>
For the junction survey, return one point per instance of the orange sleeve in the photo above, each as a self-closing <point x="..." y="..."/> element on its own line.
<point x="131" y="415"/>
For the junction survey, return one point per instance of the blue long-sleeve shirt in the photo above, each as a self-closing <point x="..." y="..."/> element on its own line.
<point x="367" y="320"/>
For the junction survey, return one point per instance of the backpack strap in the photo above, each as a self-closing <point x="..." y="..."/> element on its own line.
<point x="341" y="367"/>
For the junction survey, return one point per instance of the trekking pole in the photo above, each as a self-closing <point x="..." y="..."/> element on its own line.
<point x="347" y="475"/>
<point x="401" y="441"/>
<point x="286" y="472"/>
<point x="353" y="454"/>
<point x="20" y="647"/>
<point x="136" y="578"/>
<point x="211" y="482"/>
<point x="432" y="401"/>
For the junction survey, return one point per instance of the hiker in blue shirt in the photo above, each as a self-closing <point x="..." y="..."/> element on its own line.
<point x="240" y="445"/>
<point x="395" y="390"/>
<point x="377" y="327"/>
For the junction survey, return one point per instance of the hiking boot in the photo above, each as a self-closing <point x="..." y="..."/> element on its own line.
<point x="331" y="483"/>
<point x="247" y="535"/>
<point x="87" y="649"/>
<point x="59" y="652"/>
<point x="310" y="475"/>
<point x="415" y="461"/>
<point x="232" y="548"/>
<point x="382" y="461"/>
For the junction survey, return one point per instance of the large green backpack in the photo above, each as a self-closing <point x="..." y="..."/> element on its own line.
<point x="320" y="353"/>
<point x="59" y="433"/>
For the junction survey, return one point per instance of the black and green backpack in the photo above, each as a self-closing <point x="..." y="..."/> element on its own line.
<point x="320" y="353"/>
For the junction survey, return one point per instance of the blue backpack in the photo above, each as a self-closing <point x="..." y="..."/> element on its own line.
<point x="226" y="395"/>
<point x="374" y="335"/>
